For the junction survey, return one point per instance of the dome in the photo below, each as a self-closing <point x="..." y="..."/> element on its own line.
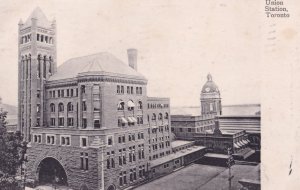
<point x="210" y="86"/>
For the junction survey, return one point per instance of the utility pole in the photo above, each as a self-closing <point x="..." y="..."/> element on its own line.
<point x="230" y="162"/>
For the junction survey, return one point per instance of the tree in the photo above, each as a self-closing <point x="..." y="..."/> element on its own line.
<point x="12" y="155"/>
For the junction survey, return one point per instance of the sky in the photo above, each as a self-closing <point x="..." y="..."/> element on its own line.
<point x="178" y="42"/>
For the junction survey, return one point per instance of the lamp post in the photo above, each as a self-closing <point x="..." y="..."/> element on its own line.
<point x="230" y="162"/>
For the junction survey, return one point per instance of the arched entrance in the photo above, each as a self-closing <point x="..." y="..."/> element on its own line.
<point x="111" y="187"/>
<point x="51" y="171"/>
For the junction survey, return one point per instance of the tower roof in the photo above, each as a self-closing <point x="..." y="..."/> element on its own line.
<point x="97" y="64"/>
<point x="38" y="14"/>
<point x="210" y="86"/>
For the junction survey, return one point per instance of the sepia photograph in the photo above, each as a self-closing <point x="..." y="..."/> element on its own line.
<point x="137" y="94"/>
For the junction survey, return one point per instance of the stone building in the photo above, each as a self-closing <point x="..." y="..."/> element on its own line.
<point x="89" y="122"/>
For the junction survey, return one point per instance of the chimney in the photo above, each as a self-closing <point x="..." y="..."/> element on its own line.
<point x="132" y="58"/>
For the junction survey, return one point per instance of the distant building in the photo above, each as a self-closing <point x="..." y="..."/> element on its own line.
<point x="89" y="122"/>
<point x="213" y="130"/>
<point x="210" y="98"/>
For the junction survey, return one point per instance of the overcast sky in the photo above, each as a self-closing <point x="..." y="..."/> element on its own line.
<point x="178" y="43"/>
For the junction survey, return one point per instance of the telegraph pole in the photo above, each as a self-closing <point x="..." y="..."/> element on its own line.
<point x="230" y="162"/>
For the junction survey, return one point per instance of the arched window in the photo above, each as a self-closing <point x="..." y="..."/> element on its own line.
<point x="166" y="115"/>
<point x="52" y="107"/>
<point x="70" y="107"/>
<point x="153" y="116"/>
<point x="60" y="107"/>
<point x="130" y="105"/>
<point x="140" y="105"/>
<point x="160" y="116"/>
<point x="121" y="105"/>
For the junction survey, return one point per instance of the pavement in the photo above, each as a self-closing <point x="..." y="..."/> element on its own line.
<point x="48" y="187"/>
<point x="203" y="177"/>
<point x="194" y="177"/>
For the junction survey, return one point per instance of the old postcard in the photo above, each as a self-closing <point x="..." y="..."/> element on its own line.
<point x="138" y="94"/>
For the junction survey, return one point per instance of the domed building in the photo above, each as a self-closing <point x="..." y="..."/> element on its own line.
<point x="210" y="98"/>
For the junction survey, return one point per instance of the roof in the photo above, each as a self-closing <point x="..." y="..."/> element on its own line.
<point x="176" y="155"/>
<point x="177" y="143"/>
<point x="230" y="110"/>
<point x="42" y="20"/>
<point x="97" y="64"/>
<point x="210" y="86"/>
<point x="213" y="155"/>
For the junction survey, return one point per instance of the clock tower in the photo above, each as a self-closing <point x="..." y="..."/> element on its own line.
<point x="210" y="98"/>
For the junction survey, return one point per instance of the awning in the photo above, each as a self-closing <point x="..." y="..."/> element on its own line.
<point x="130" y="104"/>
<point x="248" y="140"/>
<point x="154" y="127"/>
<point x="124" y="120"/>
<point x="130" y="120"/>
<point x="133" y="119"/>
<point x="239" y="144"/>
<point x="245" y="142"/>
<point x="235" y="145"/>
<point x="242" y="143"/>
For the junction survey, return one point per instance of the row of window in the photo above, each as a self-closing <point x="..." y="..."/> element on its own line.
<point x="160" y="116"/>
<point x="70" y="107"/>
<point x="162" y="154"/>
<point x="39" y="38"/>
<point x="65" y="140"/>
<point x="62" y="92"/>
<point x="160" y="139"/>
<point x="138" y="90"/>
<point x="130" y="105"/>
<point x="160" y="129"/>
<point x="132" y="175"/>
<point x="154" y="106"/>
<point x="161" y="145"/>
<point x="122" y="121"/>
<point x="131" y="137"/>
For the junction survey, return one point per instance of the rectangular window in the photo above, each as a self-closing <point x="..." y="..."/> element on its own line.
<point x="70" y="121"/>
<point x="72" y="92"/>
<point x="122" y="89"/>
<point x="58" y="93"/>
<point x="61" y="122"/>
<point x="84" y="161"/>
<point x="110" y="140"/>
<point x="97" y="124"/>
<point x="84" y="123"/>
<point x="128" y="90"/>
<point x="84" y="106"/>
<point x="68" y="92"/>
<point x="65" y="140"/>
<point x="189" y="130"/>
<point x="50" y="139"/>
<point x="52" y="121"/>
<point x="118" y="89"/>
<point x="83" y="142"/>
<point x="62" y="93"/>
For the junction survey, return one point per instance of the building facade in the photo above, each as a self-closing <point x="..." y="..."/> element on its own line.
<point x="89" y="122"/>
